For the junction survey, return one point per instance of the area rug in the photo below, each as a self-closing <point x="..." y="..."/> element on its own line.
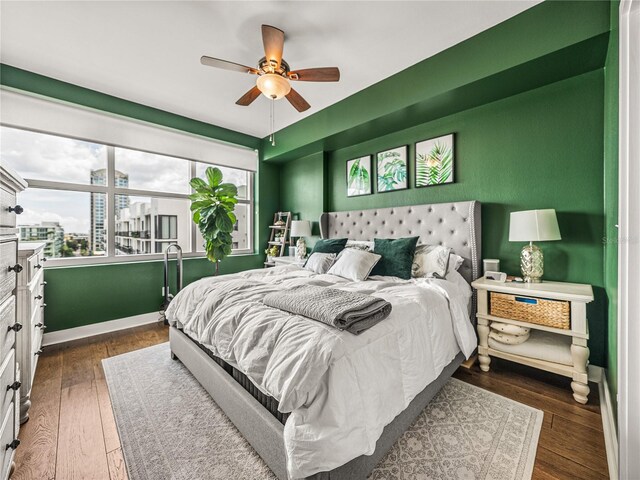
<point x="171" y="429"/>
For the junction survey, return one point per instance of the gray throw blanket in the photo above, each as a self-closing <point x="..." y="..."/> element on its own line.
<point x="353" y="312"/>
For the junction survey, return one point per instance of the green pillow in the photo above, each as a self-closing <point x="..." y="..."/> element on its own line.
<point x="397" y="256"/>
<point x="333" y="245"/>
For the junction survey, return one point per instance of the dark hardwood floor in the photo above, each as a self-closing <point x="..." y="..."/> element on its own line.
<point x="71" y="434"/>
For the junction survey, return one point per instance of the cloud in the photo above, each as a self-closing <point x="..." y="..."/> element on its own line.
<point x="70" y="209"/>
<point x="47" y="157"/>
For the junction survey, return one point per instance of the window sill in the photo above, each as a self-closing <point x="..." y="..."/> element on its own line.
<point x="75" y="261"/>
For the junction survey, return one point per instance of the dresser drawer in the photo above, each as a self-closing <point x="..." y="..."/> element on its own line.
<point x="36" y="346"/>
<point x="7" y="436"/>
<point x="7" y="378"/>
<point x="36" y="295"/>
<point x="7" y="320"/>
<point x="36" y="341"/>
<point x="7" y="200"/>
<point x="8" y="258"/>
<point x="35" y="265"/>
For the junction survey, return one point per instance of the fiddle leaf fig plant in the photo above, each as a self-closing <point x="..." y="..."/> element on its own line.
<point x="212" y="207"/>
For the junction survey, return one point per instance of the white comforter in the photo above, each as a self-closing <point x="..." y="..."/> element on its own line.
<point x="341" y="389"/>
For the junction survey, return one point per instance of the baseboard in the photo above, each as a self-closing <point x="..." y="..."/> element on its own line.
<point x="599" y="376"/>
<point x="85" y="331"/>
<point x="608" y="426"/>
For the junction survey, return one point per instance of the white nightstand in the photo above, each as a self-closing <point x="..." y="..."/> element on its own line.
<point x="279" y="261"/>
<point x="570" y="343"/>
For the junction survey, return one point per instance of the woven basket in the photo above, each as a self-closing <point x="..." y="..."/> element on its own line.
<point x="551" y="313"/>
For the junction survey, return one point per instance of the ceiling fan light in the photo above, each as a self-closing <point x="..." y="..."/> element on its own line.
<point x="273" y="86"/>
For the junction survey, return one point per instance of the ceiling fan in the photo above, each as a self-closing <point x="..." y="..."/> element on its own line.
<point x="274" y="73"/>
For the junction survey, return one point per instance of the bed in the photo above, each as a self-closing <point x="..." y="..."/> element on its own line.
<point x="293" y="425"/>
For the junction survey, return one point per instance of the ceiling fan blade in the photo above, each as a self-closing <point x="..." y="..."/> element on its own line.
<point x="273" y="40"/>
<point x="249" y="97"/>
<point x="323" y="74"/>
<point x="226" y="65"/>
<point x="297" y="101"/>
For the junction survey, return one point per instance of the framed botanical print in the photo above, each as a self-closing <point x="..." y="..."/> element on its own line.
<point x="391" y="169"/>
<point x="359" y="176"/>
<point x="434" y="161"/>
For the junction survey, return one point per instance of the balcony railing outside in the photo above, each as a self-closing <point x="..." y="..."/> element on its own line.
<point x="144" y="234"/>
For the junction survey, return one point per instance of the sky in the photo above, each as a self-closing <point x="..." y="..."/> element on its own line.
<point x="47" y="157"/>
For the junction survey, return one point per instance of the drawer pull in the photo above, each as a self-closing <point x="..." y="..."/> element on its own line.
<point x="43" y="305"/>
<point x="13" y="445"/>
<point x="41" y="326"/>
<point x="16" y="268"/>
<point x="17" y="209"/>
<point x="38" y="297"/>
<point x="14" y="386"/>
<point x="16" y="327"/>
<point x="532" y="301"/>
<point x="39" y="352"/>
<point x="43" y="283"/>
<point x="37" y="266"/>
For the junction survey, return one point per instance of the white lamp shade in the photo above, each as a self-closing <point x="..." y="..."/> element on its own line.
<point x="300" y="228"/>
<point x="534" y="226"/>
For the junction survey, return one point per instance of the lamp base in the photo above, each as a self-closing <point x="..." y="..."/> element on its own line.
<point x="531" y="263"/>
<point x="301" y="249"/>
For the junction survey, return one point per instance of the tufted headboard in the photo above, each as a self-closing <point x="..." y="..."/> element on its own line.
<point x="456" y="225"/>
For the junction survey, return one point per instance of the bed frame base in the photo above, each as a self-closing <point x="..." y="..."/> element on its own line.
<point x="265" y="433"/>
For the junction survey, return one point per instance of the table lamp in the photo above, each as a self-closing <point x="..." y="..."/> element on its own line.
<point x="533" y="226"/>
<point x="300" y="229"/>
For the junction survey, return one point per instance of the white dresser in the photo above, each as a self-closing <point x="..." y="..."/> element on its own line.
<point x="30" y="311"/>
<point x="10" y="184"/>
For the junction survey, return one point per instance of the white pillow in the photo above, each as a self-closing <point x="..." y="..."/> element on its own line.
<point x="455" y="262"/>
<point x="320" y="262"/>
<point x="430" y="260"/>
<point x="354" y="264"/>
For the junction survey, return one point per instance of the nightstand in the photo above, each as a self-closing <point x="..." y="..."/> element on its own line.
<point x="558" y="350"/>
<point x="279" y="261"/>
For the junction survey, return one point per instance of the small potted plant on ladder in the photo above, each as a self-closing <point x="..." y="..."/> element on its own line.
<point x="212" y="206"/>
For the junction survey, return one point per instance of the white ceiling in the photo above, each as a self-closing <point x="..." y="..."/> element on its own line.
<point x="149" y="51"/>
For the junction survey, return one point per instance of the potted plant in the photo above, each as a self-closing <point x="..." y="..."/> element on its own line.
<point x="272" y="252"/>
<point x="212" y="205"/>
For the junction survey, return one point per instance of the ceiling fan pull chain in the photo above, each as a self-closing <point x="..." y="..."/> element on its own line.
<point x="272" y="137"/>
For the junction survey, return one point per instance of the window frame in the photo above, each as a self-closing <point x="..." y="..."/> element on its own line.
<point x="110" y="190"/>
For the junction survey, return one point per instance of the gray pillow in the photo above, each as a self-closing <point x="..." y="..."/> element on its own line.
<point x="320" y="262"/>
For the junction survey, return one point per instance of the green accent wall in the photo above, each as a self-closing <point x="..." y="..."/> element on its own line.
<point x="611" y="200"/>
<point x="302" y="190"/>
<point x="83" y="295"/>
<point x="528" y="103"/>
<point x="539" y="149"/>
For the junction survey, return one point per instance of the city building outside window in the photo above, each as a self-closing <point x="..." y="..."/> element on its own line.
<point x="94" y="203"/>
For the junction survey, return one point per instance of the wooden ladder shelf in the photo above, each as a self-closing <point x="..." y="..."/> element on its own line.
<point x="283" y="232"/>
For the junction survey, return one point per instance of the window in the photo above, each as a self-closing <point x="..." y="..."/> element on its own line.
<point x="90" y="200"/>
<point x="167" y="226"/>
<point x="152" y="172"/>
<point x="142" y="220"/>
<point x="66" y="221"/>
